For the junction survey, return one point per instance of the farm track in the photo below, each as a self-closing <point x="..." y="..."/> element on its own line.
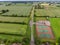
<point x="31" y="25"/>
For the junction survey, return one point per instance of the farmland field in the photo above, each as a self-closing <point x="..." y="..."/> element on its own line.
<point x="55" y="23"/>
<point x="13" y="28"/>
<point x="11" y="38"/>
<point x="51" y="11"/>
<point x="29" y="23"/>
<point x="14" y="24"/>
<point x="14" y="19"/>
<point x="40" y="18"/>
<point x="23" y="4"/>
<point x="16" y="10"/>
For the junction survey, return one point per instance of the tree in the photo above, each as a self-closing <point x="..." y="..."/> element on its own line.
<point x="40" y="6"/>
<point x="3" y="11"/>
<point x="7" y="10"/>
<point x="26" y="40"/>
<point x="59" y="40"/>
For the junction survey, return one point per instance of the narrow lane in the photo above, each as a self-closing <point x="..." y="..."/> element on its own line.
<point x="31" y="26"/>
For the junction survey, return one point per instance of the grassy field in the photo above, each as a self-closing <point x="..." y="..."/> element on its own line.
<point x="40" y="18"/>
<point x="15" y="4"/>
<point x="23" y="4"/>
<point x="11" y="38"/>
<point x="14" y="19"/>
<point x="9" y="28"/>
<point x="55" y="23"/>
<point x="13" y="28"/>
<point x="51" y="11"/>
<point x="17" y="10"/>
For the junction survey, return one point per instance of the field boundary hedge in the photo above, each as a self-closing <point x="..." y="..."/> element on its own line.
<point x="13" y="22"/>
<point x="11" y="34"/>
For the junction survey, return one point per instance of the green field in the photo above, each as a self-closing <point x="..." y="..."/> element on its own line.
<point x="14" y="24"/>
<point x="16" y="10"/>
<point x="23" y="4"/>
<point x="55" y="23"/>
<point x="51" y="11"/>
<point x="15" y="4"/>
<point x="14" y="19"/>
<point x="13" y="28"/>
<point x="40" y="18"/>
<point x="11" y="38"/>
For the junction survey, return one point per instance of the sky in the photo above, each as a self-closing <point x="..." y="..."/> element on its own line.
<point x="29" y="0"/>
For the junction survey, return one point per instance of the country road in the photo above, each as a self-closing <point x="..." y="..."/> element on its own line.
<point x="31" y="26"/>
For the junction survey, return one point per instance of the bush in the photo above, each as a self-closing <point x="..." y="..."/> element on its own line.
<point x="4" y="11"/>
<point x="59" y="40"/>
<point x="7" y="10"/>
<point x="58" y="5"/>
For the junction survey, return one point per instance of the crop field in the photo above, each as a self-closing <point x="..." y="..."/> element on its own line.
<point x="23" y="4"/>
<point x="14" y="19"/>
<point x="40" y="18"/>
<point x="55" y="23"/>
<point x="11" y="38"/>
<point x="14" y="24"/>
<point x="16" y="10"/>
<point x="45" y="32"/>
<point x="51" y="11"/>
<point x="13" y="28"/>
<point x="28" y="23"/>
<point x="12" y="32"/>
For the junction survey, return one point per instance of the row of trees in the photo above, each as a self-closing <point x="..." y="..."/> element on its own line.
<point x="4" y="11"/>
<point x="15" y="15"/>
<point x="39" y="6"/>
<point x="13" y="22"/>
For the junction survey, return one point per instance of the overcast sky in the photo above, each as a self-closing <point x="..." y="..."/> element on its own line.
<point x="29" y="0"/>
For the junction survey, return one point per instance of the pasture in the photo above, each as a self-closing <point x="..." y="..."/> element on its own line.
<point x="14" y="19"/>
<point x="11" y="38"/>
<point x="13" y="28"/>
<point x="16" y="10"/>
<point x="40" y="18"/>
<point x="51" y="12"/>
<point x="14" y="24"/>
<point x="55" y="23"/>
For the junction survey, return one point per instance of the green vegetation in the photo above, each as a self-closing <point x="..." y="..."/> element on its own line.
<point x="55" y="23"/>
<point x="13" y="28"/>
<point x="14" y="23"/>
<point x="14" y="19"/>
<point x="40" y="18"/>
<point x="16" y="10"/>
<point x="51" y="12"/>
<point x="11" y="38"/>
